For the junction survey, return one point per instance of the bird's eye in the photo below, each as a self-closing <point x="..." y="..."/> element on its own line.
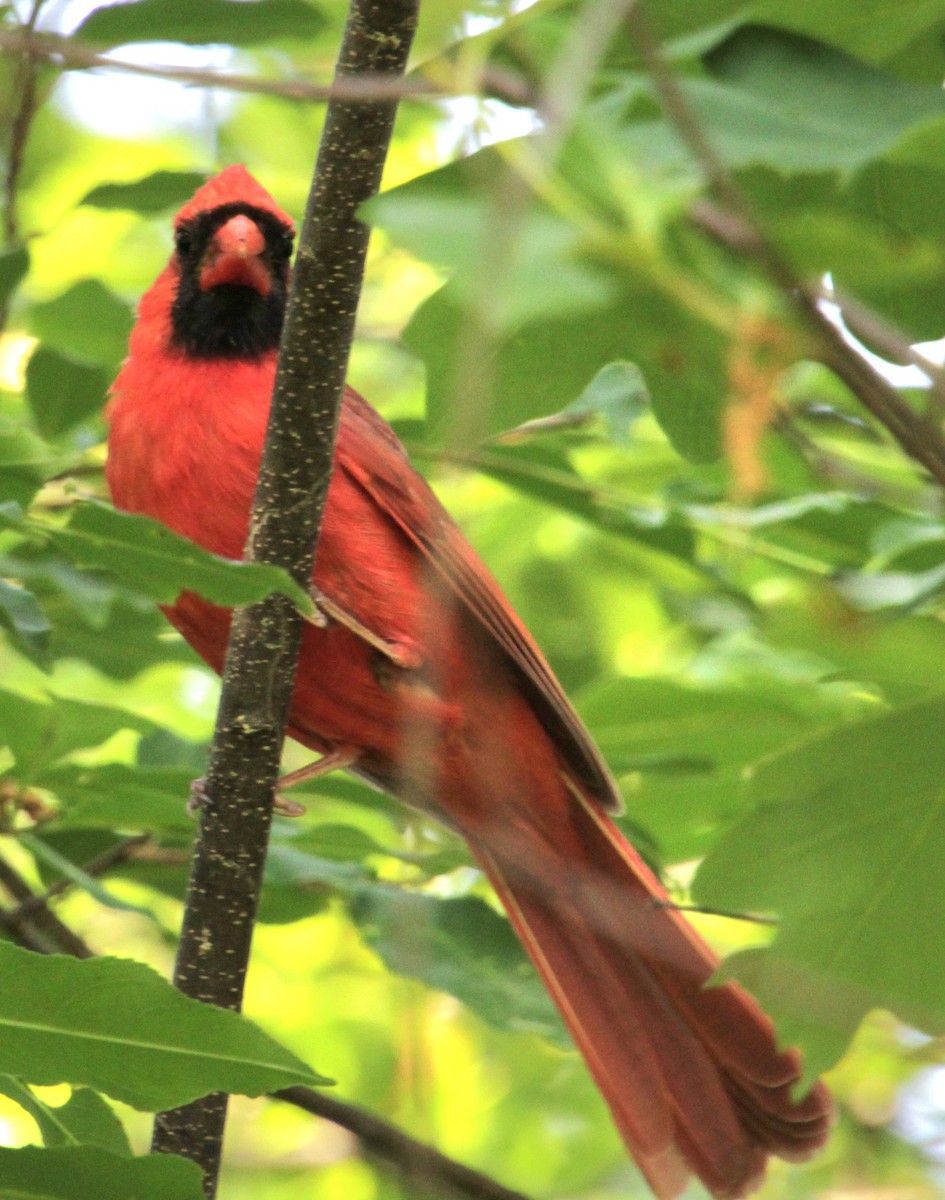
<point x="284" y="244"/>
<point x="183" y="240"/>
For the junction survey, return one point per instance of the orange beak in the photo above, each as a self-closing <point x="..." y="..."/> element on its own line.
<point x="234" y="256"/>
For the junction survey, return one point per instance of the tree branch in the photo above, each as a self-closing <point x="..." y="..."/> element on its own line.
<point x="367" y="88"/>
<point x="226" y="877"/>
<point x="39" y="930"/>
<point x="736" y="226"/>
<point x="425" y="1171"/>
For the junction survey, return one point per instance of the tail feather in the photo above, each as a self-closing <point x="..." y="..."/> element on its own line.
<point x="692" y="1074"/>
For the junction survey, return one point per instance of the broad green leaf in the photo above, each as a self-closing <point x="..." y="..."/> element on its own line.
<point x="110" y="795"/>
<point x="847" y="846"/>
<point x="681" y="360"/>
<point x="14" y="263"/>
<point x="41" y="732"/>
<point x="462" y="947"/>
<point x="155" y="193"/>
<point x="81" y="1172"/>
<point x="117" y="1026"/>
<point x="797" y="104"/>
<point x="87" y="322"/>
<point x="234" y="24"/>
<point x="871" y="29"/>
<point x="22" y="616"/>
<point x="62" y="391"/>
<point x="156" y="561"/>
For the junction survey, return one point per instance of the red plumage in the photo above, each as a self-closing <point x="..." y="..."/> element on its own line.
<point x="450" y="705"/>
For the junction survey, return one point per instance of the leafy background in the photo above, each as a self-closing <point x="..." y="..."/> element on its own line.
<point x="734" y="570"/>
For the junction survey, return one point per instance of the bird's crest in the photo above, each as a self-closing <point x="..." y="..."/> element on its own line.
<point x="233" y="185"/>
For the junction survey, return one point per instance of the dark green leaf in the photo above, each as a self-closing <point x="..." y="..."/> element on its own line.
<point x="25" y="463"/>
<point x="156" y="561"/>
<point x="62" y="391"/>
<point x="155" y="193"/>
<point x="233" y="24"/>
<point x="21" y="614"/>
<point x="14" y="263"/>
<point x="81" y="1172"/>
<point x="120" y="1028"/>
<point x="462" y="947"/>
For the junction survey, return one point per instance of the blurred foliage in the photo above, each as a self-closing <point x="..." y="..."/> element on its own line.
<point x="735" y="572"/>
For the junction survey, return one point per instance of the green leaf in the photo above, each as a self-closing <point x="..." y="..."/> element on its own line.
<point x="548" y="475"/>
<point x="25" y="463"/>
<point x="234" y="24"/>
<point x="93" y="617"/>
<point x="85" y="1118"/>
<point x="798" y="105"/>
<point x="14" y="263"/>
<point x="21" y="614"/>
<point x="88" y="322"/>
<point x="110" y="795"/>
<point x="460" y="946"/>
<point x="871" y="29"/>
<point x="91" y="1121"/>
<point x="118" y="1027"/>
<point x="847" y="846"/>
<point x="40" y="732"/>
<point x="617" y="393"/>
<point x="155" y="193"/>
<point x="62" y="391"/>
<point x="681" y="359"/>
<point x="450" y="223"/>
<point x="81" y="1172"/>
<point x="160" y="563"/>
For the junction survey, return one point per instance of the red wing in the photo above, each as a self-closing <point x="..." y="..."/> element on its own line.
<point x="378" y="463"/>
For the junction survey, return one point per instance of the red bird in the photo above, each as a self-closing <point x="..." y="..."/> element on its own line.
<point x="421" y="677"/>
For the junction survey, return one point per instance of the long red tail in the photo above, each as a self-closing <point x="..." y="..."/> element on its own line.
<point x="692" y="1074"/>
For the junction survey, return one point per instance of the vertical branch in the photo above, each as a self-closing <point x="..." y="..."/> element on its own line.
<point x="293" y="482"/>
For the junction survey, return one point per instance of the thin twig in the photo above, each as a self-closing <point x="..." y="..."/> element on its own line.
<point x="424" y="1170"/>
<point x="24" y="87"/>
<point x="67" y="52"/>
<point x="736" y="226"/>
<point x="94" y="867"/>
<point x="40" y="930"/>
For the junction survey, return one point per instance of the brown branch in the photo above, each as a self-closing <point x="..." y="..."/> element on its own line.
<point x="736" y="226"/>
<point x="41" y="929"/>
<point x="425" y="1171"/>
<point x="372" y="86"/>
<point x="229" y="858"/>
<point x="94" y="867"/>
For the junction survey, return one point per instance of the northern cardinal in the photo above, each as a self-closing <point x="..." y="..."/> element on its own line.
<point x="421" y="676"/>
